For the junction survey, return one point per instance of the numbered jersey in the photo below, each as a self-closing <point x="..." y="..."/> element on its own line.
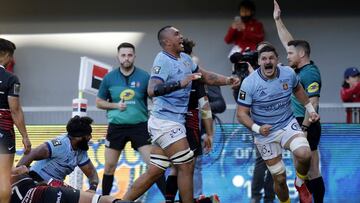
<point x="20" y="188"/>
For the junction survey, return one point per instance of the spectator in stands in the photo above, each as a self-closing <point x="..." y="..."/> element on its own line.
<point x="350" y="91"/>
<point x="245" y="31"/>
<point x="58" y="157"/>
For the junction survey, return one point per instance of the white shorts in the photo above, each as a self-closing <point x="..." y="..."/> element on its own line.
<point x="277" y="140"/>
<point x="165" y="132"/>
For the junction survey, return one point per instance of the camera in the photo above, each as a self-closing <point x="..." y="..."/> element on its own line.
<point x="240" y="61"/>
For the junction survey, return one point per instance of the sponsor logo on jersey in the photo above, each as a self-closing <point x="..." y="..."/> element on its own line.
<point x="127" y="94"/>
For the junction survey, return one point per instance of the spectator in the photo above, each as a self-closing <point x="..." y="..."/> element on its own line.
<point x="245" y="31"/>
<point x="350" y="91"/>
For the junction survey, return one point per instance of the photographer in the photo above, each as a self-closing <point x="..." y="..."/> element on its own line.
<point x="244" y="64"/>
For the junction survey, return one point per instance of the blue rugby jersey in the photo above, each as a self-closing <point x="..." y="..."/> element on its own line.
<point x="168" y="68"/>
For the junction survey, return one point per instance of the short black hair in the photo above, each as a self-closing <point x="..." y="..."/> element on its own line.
<point x="268" y="48"/>
<point x="79" y="126"/>
<point x="160" y="35"/>
<point x="7" y="46"/>
<point x="302" y="44"/>
<point x="247" y="4"/>
<point x="266" y="43"/>
<point x="188" y="45"/>
<point x="126" y="45"/>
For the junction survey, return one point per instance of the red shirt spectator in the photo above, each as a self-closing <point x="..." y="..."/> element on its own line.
<point x="350" y="91"/>
<point x="245" y="30"/>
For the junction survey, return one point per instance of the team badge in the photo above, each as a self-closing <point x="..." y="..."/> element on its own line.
<point x="56" y="142"/>
<point x="313" y="87"/>
<point x="285" y="86"/>
<point x="242" y="95"/>
<point x="16" y="89"/>
<point x="156" y="69"/>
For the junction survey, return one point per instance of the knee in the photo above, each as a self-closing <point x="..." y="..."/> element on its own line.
<point x="304" y="155"/>
<point x="109" y="168"/>
<point x="280" y="180"/>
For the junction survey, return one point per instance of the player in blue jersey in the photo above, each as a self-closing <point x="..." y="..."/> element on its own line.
<point x="123" y="94"/>
<point x="170" y="85"/>
<point x="57" y="158"/>
<point x="310" y="78"/>
<point x="266" y="95"/>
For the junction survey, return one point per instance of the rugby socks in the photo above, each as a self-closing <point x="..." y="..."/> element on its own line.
<point x="107" y="183"/>
<point x="300" y="179"/>
<point x="171" y="188"/>
<point x="317" y="189"/>
<point x="161" y="184"/>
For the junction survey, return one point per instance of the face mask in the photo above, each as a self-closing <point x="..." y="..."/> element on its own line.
<point x="83" y="145"/>
<point x="246" y="18"/>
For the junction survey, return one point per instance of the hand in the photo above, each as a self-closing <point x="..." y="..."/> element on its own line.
<point x="27" y="144"/>
<point x="208" y="142"/>
<point x="189" y="78"/>
<point x="122" y="105"/>
<point x="91" y="191"/>
<point x="20" y="170"/>
<point x="265" y="129"/>
<point x="234" y="81"/>
<point x="277" y="11"/>
<point x="313" y="117"/>
<point x="238" y="25"/>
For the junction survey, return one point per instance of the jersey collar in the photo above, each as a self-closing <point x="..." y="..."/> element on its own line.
<point x="170" y="55"/>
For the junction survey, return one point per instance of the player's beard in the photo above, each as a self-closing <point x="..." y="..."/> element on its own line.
<point x="127" y="65"/>
<point x="83" y="145"/>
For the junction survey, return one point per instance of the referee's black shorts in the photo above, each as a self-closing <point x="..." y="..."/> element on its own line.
<point x="313" y="133"/>
<point x="119" y="134"/>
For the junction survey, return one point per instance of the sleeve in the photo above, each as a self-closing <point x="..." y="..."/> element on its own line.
<point x="104" y="92"/>
<point x="160" y="69"/>
<point x="245" y="93"/>
<point x="312" y="84"/>
<point x="14" y="87"/>
<point x="231" y="35"/>
<point x="55" y="147"/>
<point x="83" y="159"/>
<point x="255" y="33"/>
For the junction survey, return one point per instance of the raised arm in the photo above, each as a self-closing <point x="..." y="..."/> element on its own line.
<point x="283" y="32"/>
